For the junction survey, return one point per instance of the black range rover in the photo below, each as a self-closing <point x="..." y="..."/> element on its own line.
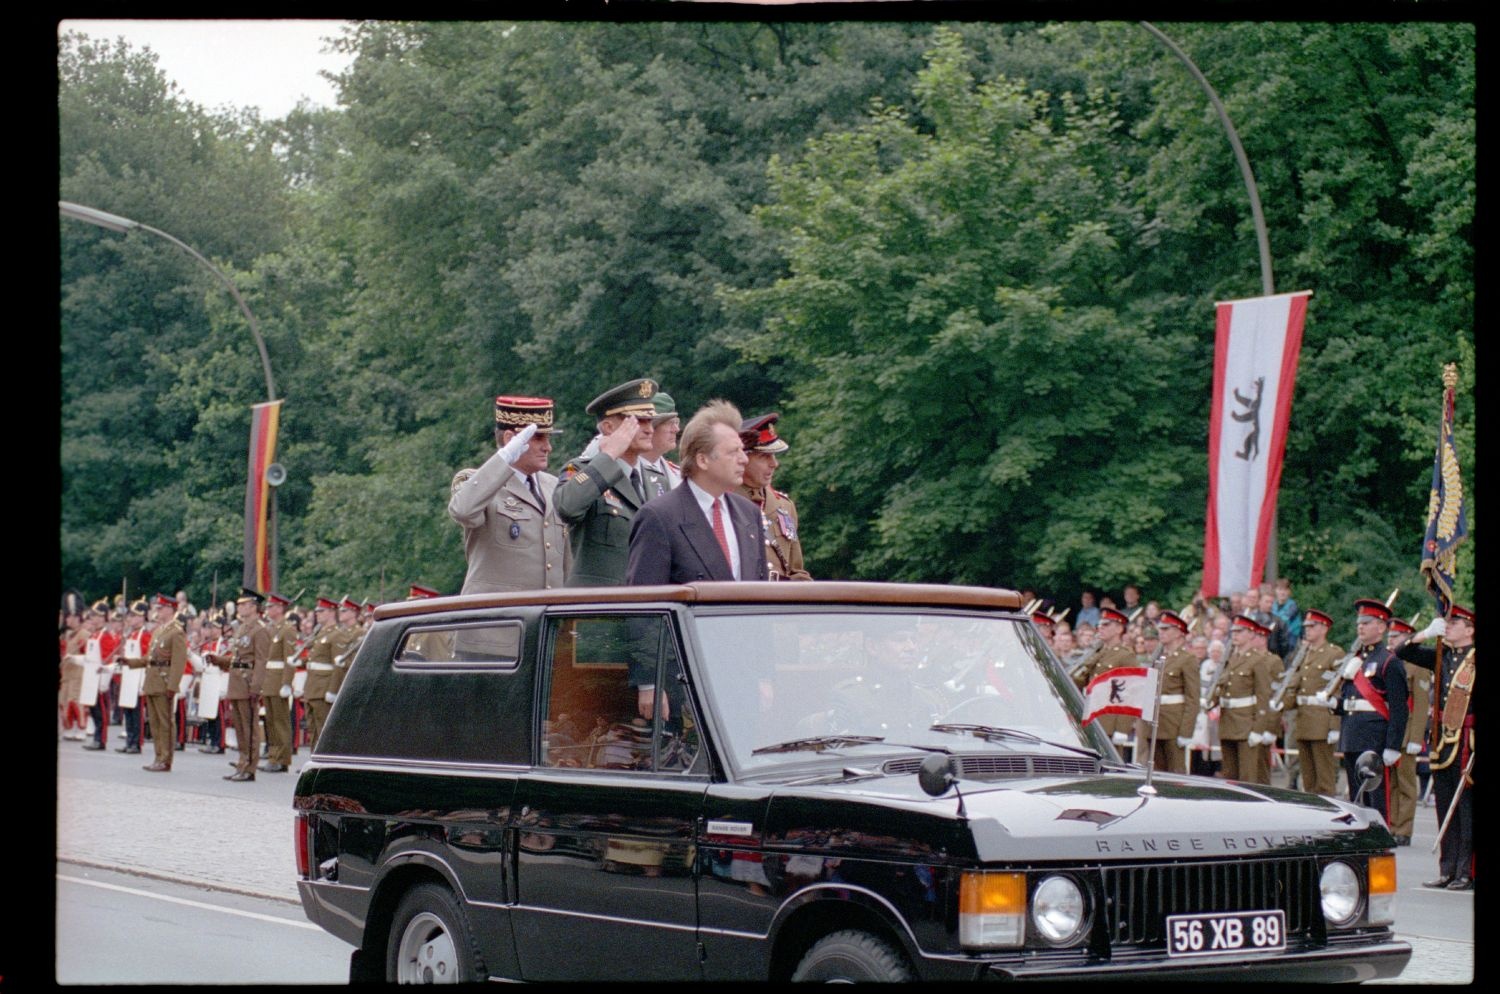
<point x="807" y="781"/>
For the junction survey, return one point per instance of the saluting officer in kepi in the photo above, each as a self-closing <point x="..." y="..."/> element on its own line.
<point x="1374" y="703"/>
<point x="1246" y="721"/>
<point x="352" y="629"/>
<point x="1304" y="700"/>
<point x="1179" y="687"/>
<point x="783" y="543"/>
<point x="247" y="669"/>
<point x="514" y="538"/>
<point x="1404" y="786"/>
<point x="1451" y="739"/>
<point x="165" y="664"/>
<point x="599" y="495"/>
<point x="276" y="690"/>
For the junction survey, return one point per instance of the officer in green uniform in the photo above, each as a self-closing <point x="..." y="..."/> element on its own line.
<point x="599" y="495"/>
<point x="165" y="664"/>
<point x="1313" y="728"/>
<point x="276" y="690"/>
<point x="779" y="514"/>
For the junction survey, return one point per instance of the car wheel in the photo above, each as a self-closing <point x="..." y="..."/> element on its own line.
<point x="851" y="957"/>
<point x="430" y="940"/>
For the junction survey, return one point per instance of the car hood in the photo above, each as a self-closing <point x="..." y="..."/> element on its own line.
<point x="1098" y="817"/>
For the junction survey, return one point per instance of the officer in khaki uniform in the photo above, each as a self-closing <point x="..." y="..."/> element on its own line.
<point x="1246" y="721"/>
<point x="276" y="691"/>
<point x="1179" y="685"/>
<point x="778" y="513"/>
<point x="246" y="664"/>
<point x="165" y="664"/>
<point x="1404" y="788"/>
<point x="1113" y="653"/>
<point x="599" y="495"/>
<point x="328" y="641"/>
<point x="1313" y="728"/>
<point x="353" y="624"/>
<point x="513" y="537"/>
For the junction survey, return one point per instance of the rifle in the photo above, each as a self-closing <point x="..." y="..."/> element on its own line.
<point x="1289" y="678"/>
<point x="1213" y="690"/>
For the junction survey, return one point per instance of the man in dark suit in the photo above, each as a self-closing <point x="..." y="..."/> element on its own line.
<point x="703" y="530"/>
<point x="700" y="530"/>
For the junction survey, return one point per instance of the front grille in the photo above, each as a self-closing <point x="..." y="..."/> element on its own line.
<point x="1138" y="899"/>
<point x="1005" y="767"/>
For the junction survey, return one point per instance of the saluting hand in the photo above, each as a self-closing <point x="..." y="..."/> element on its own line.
<point x="511" y="451"/>
<point x="618" y="442"/>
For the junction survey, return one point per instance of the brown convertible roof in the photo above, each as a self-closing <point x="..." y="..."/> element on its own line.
<point x="832" y="592"/>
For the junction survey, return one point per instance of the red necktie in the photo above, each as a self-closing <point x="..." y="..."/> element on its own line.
<point x="719" y="534"/>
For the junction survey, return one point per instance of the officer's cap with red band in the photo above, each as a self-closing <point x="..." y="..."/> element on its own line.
<point x="1370" y="608"/>
<point x="279" y="599"/>
<point x="1110" y="614"/>
<point x="1401" y="627"/>
<point x="417" y="590"/>
<point x="1172" y="619"/>
<point x="162" y="600"/>
<point x="1249" y="624"/>
<point x="1043" y="618"/>
<point x="1461" y="612"/>
<point x="349" y="604"/>
<point x="758" y="434"/>
<point x="1317" y="618"/>
<point x="325" y="604"/>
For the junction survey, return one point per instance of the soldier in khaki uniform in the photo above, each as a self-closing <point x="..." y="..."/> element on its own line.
<point x="328" y="640"/>
<point x="246" y="664"/>
<point x="165" y="664"/>
<point x="1313" y="728"/>
<point x="1179" y="685"/>
<point x="1113" y="653"/>
<point x="1404" y="787"/>
<point x="351" y="633"/>
<point x="779" y="514"/>
<point x="276" y="691"/>
<point x="600" y="495"/>
<point x="513" y="537"/>
<point x="1246" y="721"/>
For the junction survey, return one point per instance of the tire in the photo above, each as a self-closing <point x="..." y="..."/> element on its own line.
<point x="852" y="957"/>
<point x="431" y="941"/>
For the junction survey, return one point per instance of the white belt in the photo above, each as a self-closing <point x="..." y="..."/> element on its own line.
<point x="319" y="667"/>
<point x="275" y="664"/>
<point x="1239" y="702"/>
<point x="1359" y="704"/>
<point x="1173" y="699"/>
<point x="1308" y="699"/>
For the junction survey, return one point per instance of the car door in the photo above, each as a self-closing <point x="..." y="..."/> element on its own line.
<point x="605" y="819"/>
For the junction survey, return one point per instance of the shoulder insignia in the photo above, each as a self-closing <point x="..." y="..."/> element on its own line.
<point x="572" y="471"/>
<point x="673" y="464"/>
<point x="460" y="478"/>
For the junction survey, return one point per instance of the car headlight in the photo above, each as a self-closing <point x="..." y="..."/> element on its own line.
<point x="1058" y="911"/>
<point x="1339" y="886"/>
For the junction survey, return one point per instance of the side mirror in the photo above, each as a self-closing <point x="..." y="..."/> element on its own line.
<point x="935" y="775"/>
<point x="1369" y="768"/>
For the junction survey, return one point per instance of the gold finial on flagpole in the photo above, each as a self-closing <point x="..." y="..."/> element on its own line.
<point x="1450" y="375"/>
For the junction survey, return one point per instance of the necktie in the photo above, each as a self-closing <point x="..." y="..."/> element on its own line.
<point x="537" y="493"/>
<point x="635" y="481"/>
<point x="719" y="534"/>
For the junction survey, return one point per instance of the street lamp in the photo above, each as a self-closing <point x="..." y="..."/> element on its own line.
<point x="273" y="475"/>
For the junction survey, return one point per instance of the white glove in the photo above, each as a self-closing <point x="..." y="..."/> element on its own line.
<point x="329" y="696"/>
<point x="1276" y="705"/>
<point x="1333" y="737"/>
<point x="1412" y="748"/>
<point x="1120" y="738"/>
<point x="1351" y="668"/>
<point x="1182" y="742"/>
<point x="511" y="451"/>
<point x="1257" y="739"/>
<point x="1322" y="699"/>
<point x="286" y="691"/>
<point x="1390" y="756"/>
<point x="1435" y="628"/>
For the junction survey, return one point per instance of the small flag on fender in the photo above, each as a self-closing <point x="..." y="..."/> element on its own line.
<point x="1125" y="690"/>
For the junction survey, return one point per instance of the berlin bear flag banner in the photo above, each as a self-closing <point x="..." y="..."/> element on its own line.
<point x="1127" y="690"/>
<point x="1255" y="369"/>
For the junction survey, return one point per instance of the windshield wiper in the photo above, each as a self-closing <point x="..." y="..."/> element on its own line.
<point x="992" y="732"/>
<point x="818" y="743"/>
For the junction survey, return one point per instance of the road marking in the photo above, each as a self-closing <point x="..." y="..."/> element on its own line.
<point x="191" y="904"/>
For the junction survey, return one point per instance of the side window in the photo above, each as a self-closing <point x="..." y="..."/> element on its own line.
<point x="496" y="645"/>
<point x="615" y="698"/>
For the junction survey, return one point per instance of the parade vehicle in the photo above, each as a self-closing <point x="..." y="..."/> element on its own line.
<point x="793" y="781"/>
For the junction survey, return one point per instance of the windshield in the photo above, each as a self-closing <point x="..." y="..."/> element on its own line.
<point x="817" y="682"/>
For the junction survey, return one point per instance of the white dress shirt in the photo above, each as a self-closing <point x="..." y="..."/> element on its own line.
<point x="706" y="503"/>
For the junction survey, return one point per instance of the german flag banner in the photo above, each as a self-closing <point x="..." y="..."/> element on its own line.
<point x="264" y="422"/>
<point x="1255" y="371"/>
